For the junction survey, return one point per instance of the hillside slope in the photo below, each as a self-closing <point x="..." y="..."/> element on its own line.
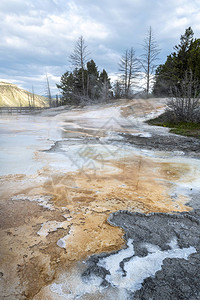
<point x="12" y="95"/>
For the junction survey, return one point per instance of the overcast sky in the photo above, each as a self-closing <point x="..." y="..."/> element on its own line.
<point x="37" y="36"/>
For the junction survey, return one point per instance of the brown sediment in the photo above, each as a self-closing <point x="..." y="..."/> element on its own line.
<point x="83" y="201"/>
<point x="136" y="181"/>
<point x="86" y="132"/>
<point x="24" y="266"/>
<point x="141" y="107"/>
<point x="140" y="184"/>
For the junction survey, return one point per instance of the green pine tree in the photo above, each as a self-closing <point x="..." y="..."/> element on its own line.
<point x="185" y="58"/>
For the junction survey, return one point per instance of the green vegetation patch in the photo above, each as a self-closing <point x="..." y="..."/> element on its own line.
<point x="182" y="128"/>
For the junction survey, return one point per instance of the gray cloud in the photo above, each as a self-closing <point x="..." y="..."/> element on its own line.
<point x="38" y="36"/>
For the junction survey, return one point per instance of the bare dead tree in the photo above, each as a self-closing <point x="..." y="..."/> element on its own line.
<point x="79" y="58"/>
<point x="48" y="92"/>
<point x="33" y="97"/>
<point x="149" y="57"/>
<point x="123" y="67"/>
<point x="133" y="68"/>
<point x="129" y="67"/>
<point x="29" y="103"/>
<point x="185" y="99"/>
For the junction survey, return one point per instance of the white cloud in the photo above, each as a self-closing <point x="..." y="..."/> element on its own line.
<point x="36" y="34"/>
<point x="49" y="33"/>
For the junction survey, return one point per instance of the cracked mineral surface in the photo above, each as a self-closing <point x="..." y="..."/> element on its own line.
<point x="96" y="204"/>
<point x="161" y="260"/>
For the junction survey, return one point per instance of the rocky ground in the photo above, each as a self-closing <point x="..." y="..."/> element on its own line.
<point x="177" y="278"/>
<point x="190" y="146"/>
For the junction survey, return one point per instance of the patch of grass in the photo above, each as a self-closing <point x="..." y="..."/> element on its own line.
<point x="182" y="128"/>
